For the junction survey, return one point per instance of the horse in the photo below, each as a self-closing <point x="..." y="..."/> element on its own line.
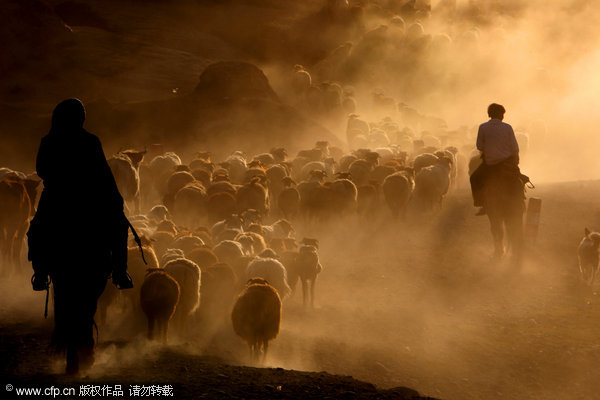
<point x="504" y="202"/>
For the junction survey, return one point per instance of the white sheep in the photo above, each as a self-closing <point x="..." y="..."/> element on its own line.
<point x="188" y="276"/>
<point x="272" y="271"/>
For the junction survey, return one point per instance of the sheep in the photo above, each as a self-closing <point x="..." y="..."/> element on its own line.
<point x="16" y="197"/>
<point x="227" y="234"/>
<point x="424" y="160"/>
<point x="258" y="241"/>
<point x="268" y="253"/>
<point x="159" y="213"/>
<point x="220" y="205"/>
<point x="256" y="316"/>
<point x="380" y="172"/>
<point x="325" y="165"/>
<point x="189" y="204"/>
<point x="344" y="195"/>
<point x="280" y="229"/>
<point x="247" y="243"/>
<point x="159" y="296"/>
<point x="176" y="182"/>
<point x="305" y="266"/>
<point x="172" y="254"/>
<point x="397" y="190"/>
<point x="187" y="243"/>
<point x="162" y="242"/>
<point x="166" y="225"/>
<point x="432" y="184"/>
<point x="236" y="165"/>
<point x="204" y="234"/>
<point x="272" y="271"/>
<point x="220" y="187"/>
<point x="266" y="159"/>
<point x="218" y="291"/>
<point x="203" y="257"/>
<point x="275" y="182"/>
<point x="587" y="252"/>
<point x="360" y="171"/>
<point x="288" y="200"/>
<point x="232" y="221"/>
<point x="230" y="252"/>
<point x="127" y="178"/>
<point x="279" y="154"/>
<point x="188" y="276"/>
<point x="253" y="196"/>
<point x="137" y="269"/>
<point x="251" y="216"/>
<point x="367" y="199"/>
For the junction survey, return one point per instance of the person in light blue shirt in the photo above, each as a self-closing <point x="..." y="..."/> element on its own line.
<point x="498" y="145"/>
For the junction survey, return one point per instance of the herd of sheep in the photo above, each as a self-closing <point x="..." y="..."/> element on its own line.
<point x="218" y="234"/>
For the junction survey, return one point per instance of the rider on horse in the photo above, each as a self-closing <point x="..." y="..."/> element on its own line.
<point x="499" y="150"/>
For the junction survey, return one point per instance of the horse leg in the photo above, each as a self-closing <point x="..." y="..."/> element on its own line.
<point x="497" y="234"/>
<point x="304" y="292"/>
<point x="265" y="348"/>
<point x="514" y="229"/>
<point x="312" y="293"/>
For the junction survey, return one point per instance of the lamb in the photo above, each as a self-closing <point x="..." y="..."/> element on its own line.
<point x="587" y="253"/>
<point x="159" y="296"/>
<point x="256" y="316"/>
<point x="306" y="267"/>
<point x="272" y="271"/>
<point x="188" y="276"/>
<point x="397" y="190"/>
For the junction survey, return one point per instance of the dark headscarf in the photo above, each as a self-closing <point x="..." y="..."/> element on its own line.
<point x="68" y="117"/>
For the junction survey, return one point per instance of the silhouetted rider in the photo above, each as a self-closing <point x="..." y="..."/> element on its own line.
<point x="498" y="145"/>
<point x="78" y="237"/>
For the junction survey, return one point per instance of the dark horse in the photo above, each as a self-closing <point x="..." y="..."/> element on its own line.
<point x="78" y="237"/>
<point x="505" y="203"/>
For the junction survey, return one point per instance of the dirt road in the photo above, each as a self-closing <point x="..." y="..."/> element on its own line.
<point x="412" y="304"/>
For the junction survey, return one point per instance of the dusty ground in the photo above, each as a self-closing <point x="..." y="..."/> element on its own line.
<point x="414" y="305"/>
